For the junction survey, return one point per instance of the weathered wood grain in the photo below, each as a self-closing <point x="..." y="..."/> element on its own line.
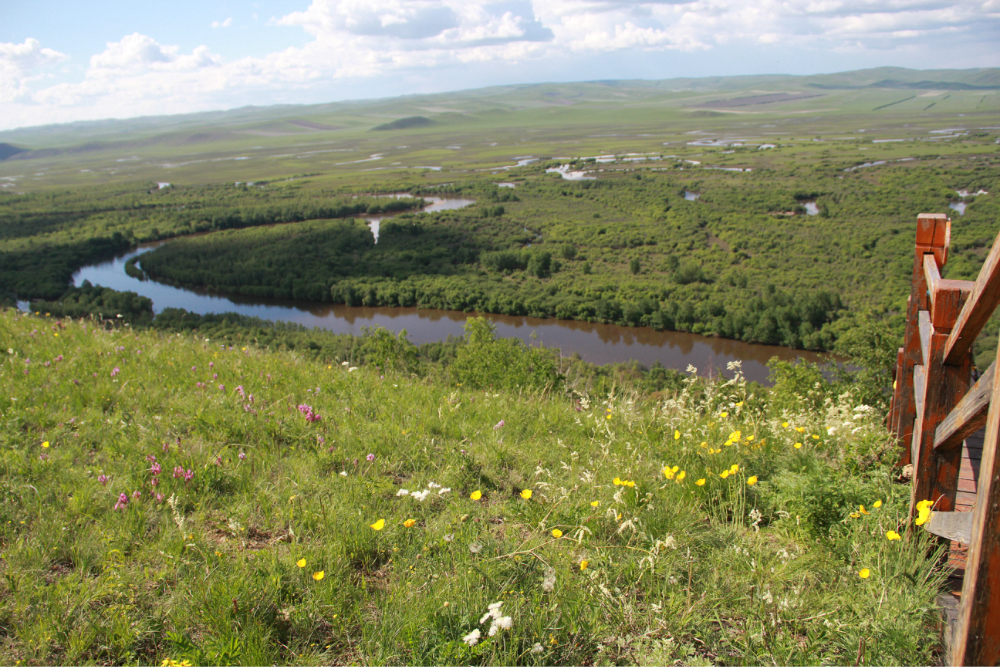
<point x="951" y="525"/>
<point x="946" y="296"/>
<point x="968" y="416"/>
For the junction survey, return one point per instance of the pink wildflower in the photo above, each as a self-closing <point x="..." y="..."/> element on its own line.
<point x="115" y="371"/>
<point x="122" y="502"/>
<point x="178" y="472"/>
<point x="103" y="479"/>
<point x="189" y="475"/>
<point x="243" y="456"/>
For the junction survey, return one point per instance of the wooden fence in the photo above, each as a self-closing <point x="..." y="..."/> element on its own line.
<point x="937" y="406"/>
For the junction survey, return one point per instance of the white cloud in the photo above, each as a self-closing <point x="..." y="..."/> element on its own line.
<point x="18" y="65"/>
<point x="225" y="24"/>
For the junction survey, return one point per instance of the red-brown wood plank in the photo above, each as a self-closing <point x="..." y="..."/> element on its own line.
<point x="978" y="307"/>
<point x="977" y="631"/>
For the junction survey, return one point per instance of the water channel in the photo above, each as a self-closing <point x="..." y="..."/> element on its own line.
<point x="596" y="343"/>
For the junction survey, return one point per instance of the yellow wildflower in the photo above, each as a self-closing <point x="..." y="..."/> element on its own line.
<point x="704" y="444"/>
<point x="723" y="415"/>
<point x="45" y="445"/>
<point x="800" y="429"/>
<point x="877" y="504"/>
<point x="680" y="476"/>
<point x="814" y="436"/>
<point x="862" y="509"/>
<point x="476" y="495"/>
<point x="855" y="515"/>
<point x="784" y="424"/>
<point x="595" y="503"/>
<point x="583" y="565"/>
<point x="797" y="445"/>
<point x="556" y="533"/>
<point x="752" y="480"/>
<point x="378" y="525"/>
<point x="864" y="573"/>
<point x="617" y="481"/>
<point x="526" y="494"/>
<point x="892" y="535"/>
<point x="629" y="483"/>
<point x="668" y="473"/>
<point x="301" y="562"/>
<point x="410" y="523"/>
<point x="724" y="474"/>
<point x="319" y="575"/>
<point x="700" y="482"/>
<point x="923" y="512"/>
<point x="733" y="469"/>
<point x="677" y="435"/>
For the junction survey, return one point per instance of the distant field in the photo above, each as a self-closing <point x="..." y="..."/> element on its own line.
<point x="487" y="131"/>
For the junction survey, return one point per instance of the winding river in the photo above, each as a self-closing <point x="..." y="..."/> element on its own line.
<point x="596" y="343"/>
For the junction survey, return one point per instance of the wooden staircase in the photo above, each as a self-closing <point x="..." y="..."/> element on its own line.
<point x="939" y="411"/>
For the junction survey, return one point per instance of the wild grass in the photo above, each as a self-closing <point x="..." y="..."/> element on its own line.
<point x="287" y="538"/>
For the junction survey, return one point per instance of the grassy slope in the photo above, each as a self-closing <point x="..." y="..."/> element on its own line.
<point x="675" y="571"/>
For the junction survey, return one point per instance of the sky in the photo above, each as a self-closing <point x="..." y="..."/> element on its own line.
<point x="63" y="61"/>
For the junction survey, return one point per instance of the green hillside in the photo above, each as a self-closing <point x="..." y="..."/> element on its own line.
<point x="167" y="498"/>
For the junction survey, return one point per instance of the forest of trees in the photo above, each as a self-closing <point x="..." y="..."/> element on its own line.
<point x="743" y="261"/>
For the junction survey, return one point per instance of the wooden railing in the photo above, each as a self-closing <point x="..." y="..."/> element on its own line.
<point x="935" y="407"/>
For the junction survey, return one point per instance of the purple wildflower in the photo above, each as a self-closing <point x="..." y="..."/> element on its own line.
<point x="243" y="456"/>
<point x="370" y="457"/>
<point x="103" y="479"/>
<point x="115" y="371"/>
<point x="122" y="502"/>
<point x="155" y="469"/>
<point x="151" y="458"/>
<point x="499" y="425"/>
<point x="188" y="475"/>
<point x="178" y="472"/>
<point x="222" y="387"/>
<point x="239" y="390"/>
<point x="136" y="495"/>
<point x="159" y="497"/>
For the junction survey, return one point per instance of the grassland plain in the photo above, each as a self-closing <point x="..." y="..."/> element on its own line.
<point x="171" y="498"/>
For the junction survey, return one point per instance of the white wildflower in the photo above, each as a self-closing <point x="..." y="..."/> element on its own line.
<point x="537" y="648"/>
<point x="472" y="638"/>
<point x="402" y="492"/>
<point x="449" y="537"/>
<point x="432" y="485"/>
<point x="343" y="473"/>
<point x="549" y="582"/>
<point x="475" y="547"/>
<point x="420" y="496"/>
<point x="444" y="491"/>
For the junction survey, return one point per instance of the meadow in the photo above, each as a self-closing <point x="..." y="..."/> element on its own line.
<point x="170" y="498"/>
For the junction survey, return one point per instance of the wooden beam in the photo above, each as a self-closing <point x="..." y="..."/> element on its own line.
<point x="925" y="328"/>
<point x="946" y="296"/>
<point x="968" y="416"/>
<point x="977" y="640"/>
<point x="919" y="389"/>
<point x="978" y="307"/>
<point x="935" y="473"/>
<point x="951" y="526"/>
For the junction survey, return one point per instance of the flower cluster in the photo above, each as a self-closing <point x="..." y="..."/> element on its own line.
<point x="309" y="414"/>
<point x="498" y="622"/>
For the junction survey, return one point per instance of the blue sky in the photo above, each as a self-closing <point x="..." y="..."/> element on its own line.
<point x="67" y="61"/>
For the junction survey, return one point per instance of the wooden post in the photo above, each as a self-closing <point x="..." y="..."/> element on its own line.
<point x="935" y="474"/>
<point x="933" y="237"/>
<point x="977" y="634"/>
